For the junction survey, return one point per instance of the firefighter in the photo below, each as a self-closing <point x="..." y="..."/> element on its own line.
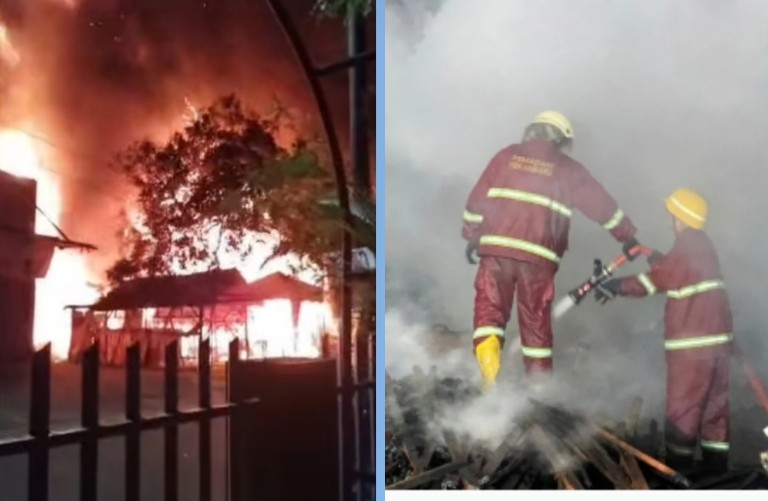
<point x="698" y="333"/>
<point x="517" y="220"/>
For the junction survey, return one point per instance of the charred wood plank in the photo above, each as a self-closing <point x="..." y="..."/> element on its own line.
<point x="607" y="467"/>
<point x="550" y="452"/>
<point x="676" y="477"/>
<point x="634" y="418"/>
<point x="452" y="442"/>
<point x="515" y="464"/>
<point x="409" y="432"/>
<point x="506" y="449"/>
<point x="429" y="476"/>
<point x="629" y="463"/>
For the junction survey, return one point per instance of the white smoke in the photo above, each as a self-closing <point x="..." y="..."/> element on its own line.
<point x="662" y="95"/>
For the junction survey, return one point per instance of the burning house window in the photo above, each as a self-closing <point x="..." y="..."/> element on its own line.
<point x="115" y="320"/>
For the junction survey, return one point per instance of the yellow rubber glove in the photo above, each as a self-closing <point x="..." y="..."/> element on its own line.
<point x="488" y="354"/>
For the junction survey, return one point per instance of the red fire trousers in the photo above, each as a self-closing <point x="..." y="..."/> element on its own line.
<point x="496" y="282"/>
<point x="697" y="400"/>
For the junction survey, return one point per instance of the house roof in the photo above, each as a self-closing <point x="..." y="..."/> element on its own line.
<point x="204" y="289"/>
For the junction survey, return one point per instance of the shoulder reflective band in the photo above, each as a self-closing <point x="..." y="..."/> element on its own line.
<point x="680" y="450"/>
<point x="614" y="221"/>
<point x="471" y="217"/>
<point x="531" y="352"/>
<point x="514" y="243"/>
<point x="649" y="287"/>
<point x="705" y="286"/>
<point x="715" y="445"/>
<point x="531" y="198"/>
<point x="689" y="343"/>
<point x="488" y="331"/>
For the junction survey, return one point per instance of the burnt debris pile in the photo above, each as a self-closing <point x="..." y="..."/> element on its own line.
<point x="547" y="447"/>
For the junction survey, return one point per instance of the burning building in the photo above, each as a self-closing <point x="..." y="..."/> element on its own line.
<point x="30" y="265"/>
<point x="276" y="316"/>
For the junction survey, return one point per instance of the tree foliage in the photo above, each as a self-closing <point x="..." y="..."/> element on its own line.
<point x="218" y="182"/>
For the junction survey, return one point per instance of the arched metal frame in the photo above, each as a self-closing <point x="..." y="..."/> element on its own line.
<point x="352" y="430"/>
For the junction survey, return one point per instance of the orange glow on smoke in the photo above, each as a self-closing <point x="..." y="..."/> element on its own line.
<point x="66" y="281"/>
<point x="7" y="52"/>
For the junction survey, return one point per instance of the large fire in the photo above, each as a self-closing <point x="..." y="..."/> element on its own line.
<point x="66" y="282"/>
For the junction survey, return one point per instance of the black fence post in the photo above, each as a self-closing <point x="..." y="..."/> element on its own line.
<point x="89" y="449"/>
<point x="133" y="414"/>
<point x="171" y="428"/>
<point x="358" y="90"/>
<point x="39" y="424"/>
<point x="232" y="473"/>
<point x="204" y="398"/>
<point x="372" y="396"/>
<point x="362" y="444"/>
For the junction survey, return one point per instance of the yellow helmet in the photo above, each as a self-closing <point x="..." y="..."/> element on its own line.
<point x="689" y="207"/>
<point x="556" y="120"/>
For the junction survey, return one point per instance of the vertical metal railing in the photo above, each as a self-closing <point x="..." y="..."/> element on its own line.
<point x="204" y="401"/>
<point x="133" y="415"/>
<point x="39" y="424"/>
<point x="40" y="440"/>
<point x="352" y="475"/>
<point x="171" y="455"/>
<point x="89" y="414"/>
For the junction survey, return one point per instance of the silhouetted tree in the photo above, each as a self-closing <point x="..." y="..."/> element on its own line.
<point x="219" y="181"/>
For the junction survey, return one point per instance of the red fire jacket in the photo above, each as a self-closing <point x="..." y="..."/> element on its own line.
<point x="521" y="206"/>
<point x="697" y="313"/>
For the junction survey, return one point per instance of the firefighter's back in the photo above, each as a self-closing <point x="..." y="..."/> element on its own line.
<point x="527" y="209"/>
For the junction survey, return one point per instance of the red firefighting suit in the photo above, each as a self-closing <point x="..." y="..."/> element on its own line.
<point x="698" y="333"/>
<point x="519" y="212"/>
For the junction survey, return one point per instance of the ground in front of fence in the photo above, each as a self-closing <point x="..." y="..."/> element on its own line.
<point x="65" y="413"/>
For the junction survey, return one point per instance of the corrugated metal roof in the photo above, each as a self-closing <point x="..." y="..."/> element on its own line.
<point x="205" y="289"/>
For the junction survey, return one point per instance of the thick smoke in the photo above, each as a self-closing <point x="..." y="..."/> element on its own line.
<point x="96" y="75"/>
<point x="662" y="94"/>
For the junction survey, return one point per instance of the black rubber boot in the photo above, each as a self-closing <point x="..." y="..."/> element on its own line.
<point x="681" y="463"/>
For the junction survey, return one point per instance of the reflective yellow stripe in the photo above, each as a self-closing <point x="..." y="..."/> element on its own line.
<point x="531" y="352"/>
<point x="689" y="343"/>
<point x="682" y="450"/>
<point x="685" y="209"/>
<point x="514" y="243"/>
<point x="488" y="331"/>
<point x="715" y="445"/>
<point x="471" y="217"/>
<point x="531" y="198"/>
<point x="705" y="286"/>
<point x="646" y="281"/>
<point x="614" y="221"/>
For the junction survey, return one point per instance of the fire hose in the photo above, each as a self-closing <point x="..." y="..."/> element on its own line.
<point x="602" y="273"/>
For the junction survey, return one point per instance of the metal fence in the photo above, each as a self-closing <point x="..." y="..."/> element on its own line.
<point x="40" y="440"/>
<point x="357" y="383"/>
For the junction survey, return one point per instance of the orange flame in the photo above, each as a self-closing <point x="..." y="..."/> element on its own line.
<point x="7" y="51"/>
<point x="66" y="280"/>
